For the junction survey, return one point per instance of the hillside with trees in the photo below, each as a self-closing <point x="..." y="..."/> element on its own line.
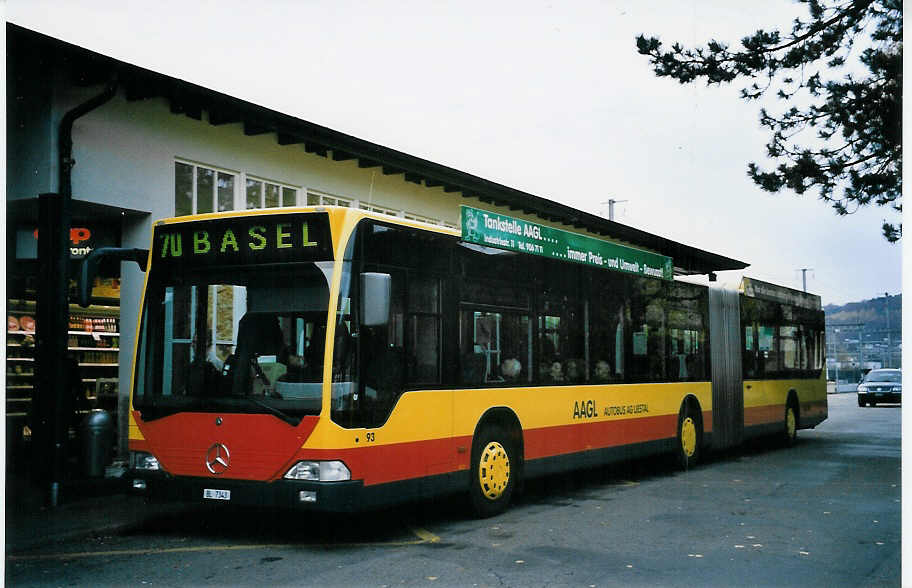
<point x="864" y="335"/>
<point x="871" y="313"/>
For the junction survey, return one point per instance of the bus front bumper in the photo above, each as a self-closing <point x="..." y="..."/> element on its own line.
<point x="294" y="494"/>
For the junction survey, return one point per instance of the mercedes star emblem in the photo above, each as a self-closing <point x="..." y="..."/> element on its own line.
<point x="217" y="459"/>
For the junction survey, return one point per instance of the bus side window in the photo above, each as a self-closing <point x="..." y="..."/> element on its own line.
<point x="423" y="330"/>
<point x="749" y="357"/>
<point x="768" y="351"/>
<point x="606" y="330"/>
<point x="686" y="332"/>
<point x="495" y="348"/>
<point x="560" y="341"/>
<point x="648" y="325"/>
<point x="383" y="359"/>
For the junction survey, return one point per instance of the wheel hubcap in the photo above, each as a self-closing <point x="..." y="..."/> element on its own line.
<point x="493" y="470"/>
<point x="689" y="437"/>
<point x="790" y="422"/>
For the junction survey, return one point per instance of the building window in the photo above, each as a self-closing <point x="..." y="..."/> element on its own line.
<point x="264" y="194"/>
<point x="423" y="219"/>
<point x="428" y="220"/>
<point x="377" y="208"/>
<point x="199" y="189"/>
<point x="315" y="198"/>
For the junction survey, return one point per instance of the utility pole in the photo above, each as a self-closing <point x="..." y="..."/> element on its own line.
<point x="804" y="283"/>
<point x="836" y="355"/>
<point x="889" y="339"/>
<point x="611" y="202"/>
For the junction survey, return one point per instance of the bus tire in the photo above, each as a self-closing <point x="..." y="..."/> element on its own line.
<point x="790" y="424"/>
<point x="493" y="474"/>
<point x="689" y="436"/>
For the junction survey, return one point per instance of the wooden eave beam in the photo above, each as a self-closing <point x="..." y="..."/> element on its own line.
<point x="252" y="128"/>
<point x="194" y="111"/>
<point x="311" y="147"/>
<point x="134" y="91"/>
<point x="339" y="155"/>
<point x="287" y="139"/>
<point x="223" y="117"/>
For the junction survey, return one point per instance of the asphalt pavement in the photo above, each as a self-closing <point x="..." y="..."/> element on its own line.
<point x="89" y="506"/>
<point x="86" y="507"/>
<point x="824" y="513"/>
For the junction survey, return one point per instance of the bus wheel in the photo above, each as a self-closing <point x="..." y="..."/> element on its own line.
<point x="790" y="430"/>
<point x="492" y="477"/>
<point x="688" y="438"/>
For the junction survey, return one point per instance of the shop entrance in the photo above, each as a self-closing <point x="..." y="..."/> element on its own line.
<point x="93" y="333"/>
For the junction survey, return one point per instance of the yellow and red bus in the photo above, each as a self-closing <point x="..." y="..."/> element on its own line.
<point x="333" y="359"/>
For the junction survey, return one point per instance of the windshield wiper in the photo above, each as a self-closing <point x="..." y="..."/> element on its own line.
<point x="291" y="420"/>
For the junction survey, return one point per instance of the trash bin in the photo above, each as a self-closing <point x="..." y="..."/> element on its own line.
<point x="97" y="439"/>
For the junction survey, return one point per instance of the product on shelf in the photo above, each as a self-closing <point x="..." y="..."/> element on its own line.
<point x="93" y="324"/>
<point x="93" y="339"/>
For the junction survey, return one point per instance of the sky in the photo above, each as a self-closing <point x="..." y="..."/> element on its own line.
<point x="543" y="96"/>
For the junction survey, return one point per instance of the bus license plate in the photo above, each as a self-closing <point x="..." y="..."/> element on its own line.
<point x="216" y="494"/>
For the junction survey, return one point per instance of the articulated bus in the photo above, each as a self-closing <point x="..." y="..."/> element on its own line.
<point x="336" y="359"/>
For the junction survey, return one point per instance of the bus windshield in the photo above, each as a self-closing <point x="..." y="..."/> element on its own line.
<point x="235" y="338"/>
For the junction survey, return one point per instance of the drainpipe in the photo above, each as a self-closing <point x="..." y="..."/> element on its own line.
<point x="65" y="139"/>
<point x="54" y="398"/>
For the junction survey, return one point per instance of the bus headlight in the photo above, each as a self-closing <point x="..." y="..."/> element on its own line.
<point x="319" y="471"/>
<point x="141" y="460"/>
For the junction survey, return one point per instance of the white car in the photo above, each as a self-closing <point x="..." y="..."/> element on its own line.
<point x="880" y="386"/>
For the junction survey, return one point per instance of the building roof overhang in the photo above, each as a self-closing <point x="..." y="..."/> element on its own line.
<point x="89" y="68"/>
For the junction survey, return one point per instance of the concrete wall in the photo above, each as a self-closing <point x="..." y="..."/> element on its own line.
<point x="126" y="153"/>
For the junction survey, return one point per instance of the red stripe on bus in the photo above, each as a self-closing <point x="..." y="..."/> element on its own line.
<point x="379" y="464"/>
<point x="760" y="415"/>
<point x="813" y="409"/>
<point x="553" y="441"/>
<point x="401" y="461"/>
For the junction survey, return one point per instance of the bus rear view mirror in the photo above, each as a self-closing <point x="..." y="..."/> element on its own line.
<point x="375" y="299"/>
<point x="90" y="267"/>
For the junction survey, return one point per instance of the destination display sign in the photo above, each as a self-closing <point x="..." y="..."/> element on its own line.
<point x="257" y="239"/>
<point x="487" y="228"/>
<point x="755" y="288"/>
